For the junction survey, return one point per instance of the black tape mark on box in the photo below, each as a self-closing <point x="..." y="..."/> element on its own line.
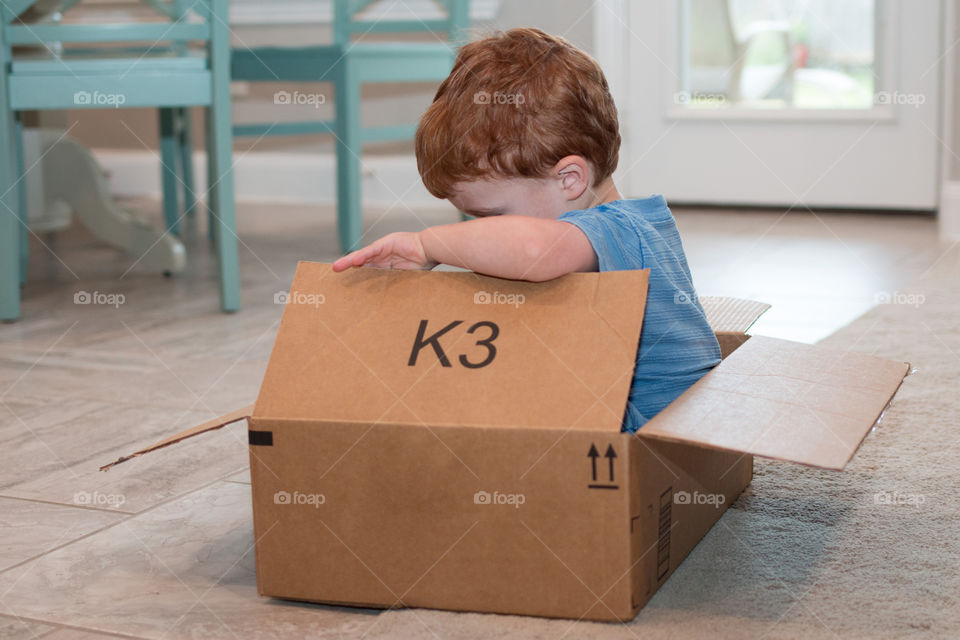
<point x="260" y="438"/>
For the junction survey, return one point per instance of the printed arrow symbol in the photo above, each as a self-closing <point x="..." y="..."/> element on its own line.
<point x="593" y="454"/>
<point x="610" y="455"/>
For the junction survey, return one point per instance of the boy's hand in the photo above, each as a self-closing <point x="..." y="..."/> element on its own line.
<point x="394" y="251"/>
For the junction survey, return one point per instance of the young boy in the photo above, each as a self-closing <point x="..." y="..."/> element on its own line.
<point x="523" y="135"/>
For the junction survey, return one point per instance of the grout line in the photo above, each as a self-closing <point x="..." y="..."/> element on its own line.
<point x="68" y="505"/>
<point x="120" y="521"/>
<point x="60" y="626"/>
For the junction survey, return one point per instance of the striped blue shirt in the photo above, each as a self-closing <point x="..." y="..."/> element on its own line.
<point x="677" y="346"/>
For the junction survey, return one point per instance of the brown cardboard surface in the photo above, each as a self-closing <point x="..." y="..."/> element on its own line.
<point x="784" y="400"/>
<point x="356" y="347"/>
<point x="679" y="494"/>
<point x="464" y="518"/>
<point x="410" y="516"/>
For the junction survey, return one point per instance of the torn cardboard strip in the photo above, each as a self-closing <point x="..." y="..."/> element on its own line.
<point x="210" y="425"/>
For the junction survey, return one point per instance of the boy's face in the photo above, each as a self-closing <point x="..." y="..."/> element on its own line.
<point x="536" y="197"/>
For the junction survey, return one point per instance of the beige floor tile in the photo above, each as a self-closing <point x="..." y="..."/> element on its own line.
<point x="243" y="477"/>
<point x="206" y="384"/>
<point x="12" y="628"/>
<point x="53" y="451"/>
<point x="81" y="634"/>
<point x="182" y="570"/>
<point x="29" y="529"/>
<point x="819" y="272"/>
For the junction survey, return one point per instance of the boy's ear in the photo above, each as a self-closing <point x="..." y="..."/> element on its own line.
<point x="573" y="172"/>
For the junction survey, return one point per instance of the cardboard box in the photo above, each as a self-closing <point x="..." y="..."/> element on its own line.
<point x="448" y="440"/>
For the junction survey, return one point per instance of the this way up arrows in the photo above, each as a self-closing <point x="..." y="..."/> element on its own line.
<point x="593" y="454"/>
<point x="610" y="455"/>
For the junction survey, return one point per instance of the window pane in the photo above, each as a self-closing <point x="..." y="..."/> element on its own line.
<point x="806" y="54"/>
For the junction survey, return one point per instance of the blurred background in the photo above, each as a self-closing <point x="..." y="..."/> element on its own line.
<point x="751" y="115"/>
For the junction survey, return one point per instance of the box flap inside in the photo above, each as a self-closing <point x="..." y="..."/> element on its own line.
<point x="455" y="348"/>
<point x="785" y="400"/>
<point x="216" y="423"/>
<point x="732" y="315"/>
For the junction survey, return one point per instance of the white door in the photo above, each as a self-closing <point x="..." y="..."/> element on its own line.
<point x="819" y="103"/>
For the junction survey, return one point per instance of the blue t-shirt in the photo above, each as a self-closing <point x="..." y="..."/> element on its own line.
<point x="677" y="346"/>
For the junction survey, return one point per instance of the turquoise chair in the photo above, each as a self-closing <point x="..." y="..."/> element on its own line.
<point x="348" y="64"/>
<point x="95" y="72"/>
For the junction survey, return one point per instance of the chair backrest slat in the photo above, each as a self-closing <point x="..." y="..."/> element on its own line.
<point x="397" y="26"/>
<point x="345" y="23"/>
<point x="158" y="32"/>
<point x="179" y="32"/>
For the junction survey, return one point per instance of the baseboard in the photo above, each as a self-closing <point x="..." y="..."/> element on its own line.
<point x="949" y="214"/>
<point x="294" y="178"/>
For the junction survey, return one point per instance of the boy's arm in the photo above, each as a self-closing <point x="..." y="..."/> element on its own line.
<point x="515" y="247"/>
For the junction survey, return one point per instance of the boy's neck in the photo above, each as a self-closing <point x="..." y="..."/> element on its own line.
<point x="603" y="193"/>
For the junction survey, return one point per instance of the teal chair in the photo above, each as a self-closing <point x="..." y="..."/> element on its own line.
<point x="96" y="72"/>
<point x="348" y="63"/>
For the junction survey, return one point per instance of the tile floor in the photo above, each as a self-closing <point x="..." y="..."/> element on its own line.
<point x="162" y="546"/>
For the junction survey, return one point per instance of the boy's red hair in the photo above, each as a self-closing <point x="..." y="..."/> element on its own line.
<point x="513" y="106"/>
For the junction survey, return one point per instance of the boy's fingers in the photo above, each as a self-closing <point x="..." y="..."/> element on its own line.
<point x="347" y="261"/>
<point x="342" y="263"/>
<point x="356" y="258"/>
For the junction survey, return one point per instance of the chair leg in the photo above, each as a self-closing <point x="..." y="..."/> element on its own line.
<point x="221" y="208"/>
<point x="220" y="158"/>
<point x="22" y="204"/>
<point x="24" y="251"/>
<point x="168" y="169"/>
<point x="10" y="224"/>
<point x="185" y="140"/>
<point x="349" y="200"/>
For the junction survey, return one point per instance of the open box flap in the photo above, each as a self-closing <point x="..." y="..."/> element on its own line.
<point x="455" y="348"/>
<point x="210" y="425"/>
<point x="785" y="400"/>
<point x="732" y="315"/>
